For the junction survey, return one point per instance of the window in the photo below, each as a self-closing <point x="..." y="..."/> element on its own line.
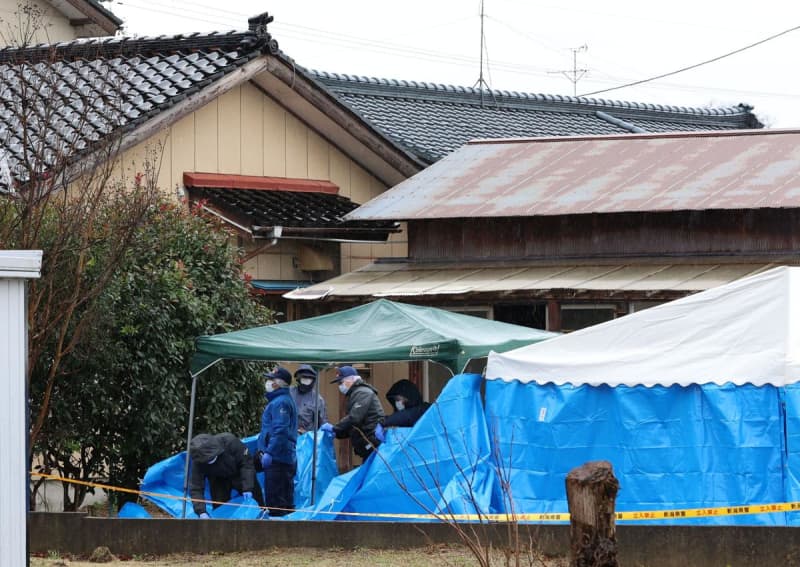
<point x="579" y="316"/>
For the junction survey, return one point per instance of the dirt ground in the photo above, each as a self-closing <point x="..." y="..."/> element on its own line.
<point x="454" y="556"/>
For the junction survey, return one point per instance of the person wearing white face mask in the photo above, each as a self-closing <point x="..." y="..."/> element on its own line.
<point x="304" y="399"/>
<point x="276" y="445"/>
<point x="364" y="412"/>
<point x="407" y="402"/>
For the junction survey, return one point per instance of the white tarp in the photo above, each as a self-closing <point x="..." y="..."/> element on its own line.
<point x="742" y="332"/>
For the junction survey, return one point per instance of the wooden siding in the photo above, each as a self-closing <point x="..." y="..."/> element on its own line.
<point x="246" y="132"/>
<point x="753" y="233"/>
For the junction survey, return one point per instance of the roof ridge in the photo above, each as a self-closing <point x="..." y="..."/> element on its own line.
<point x="534" y="97"/>
<point x="119" y="45"/>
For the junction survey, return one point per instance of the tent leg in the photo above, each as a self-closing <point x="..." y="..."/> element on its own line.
<point x="314" y="452"/>
<point x="188" y="440"/>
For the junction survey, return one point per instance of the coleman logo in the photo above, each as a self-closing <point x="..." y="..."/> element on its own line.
<point x="429" y="350"/>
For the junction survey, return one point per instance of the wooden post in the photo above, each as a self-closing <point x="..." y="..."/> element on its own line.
<point x="591" y="495"/>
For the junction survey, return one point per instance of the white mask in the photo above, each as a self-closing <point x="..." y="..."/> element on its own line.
<point x="270" y="386"/>
<point x="306" y="381"/>
<point x="343" y="388"/>
<point x="399" y="405"/>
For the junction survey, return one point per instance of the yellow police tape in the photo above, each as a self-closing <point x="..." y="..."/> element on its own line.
<point x="539" y="517"/>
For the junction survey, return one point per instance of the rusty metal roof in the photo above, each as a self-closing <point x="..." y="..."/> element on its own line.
<point x="743" y="169"/>
<point x="416" y="280"/>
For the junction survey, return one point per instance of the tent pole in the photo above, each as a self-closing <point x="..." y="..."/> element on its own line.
<point x="188" y="440"/>
<point x="316" y="427"/>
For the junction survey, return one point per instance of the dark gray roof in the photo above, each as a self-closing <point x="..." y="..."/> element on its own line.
<point x="62" y="100"/>
<point x="105" y="12"/>
<point x="299" y="213"/>
<point x="431" y="120"/>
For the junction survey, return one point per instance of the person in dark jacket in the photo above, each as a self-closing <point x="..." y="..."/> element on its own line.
<point x="407" y="402"/>
<point x="306" y="400"/>
<point x="227" y="464"/>
<point x="364" y="412"/>
<point x="277" y="443"/>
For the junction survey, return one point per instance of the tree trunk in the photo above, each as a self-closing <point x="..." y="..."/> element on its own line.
<point x="591" y="494"/>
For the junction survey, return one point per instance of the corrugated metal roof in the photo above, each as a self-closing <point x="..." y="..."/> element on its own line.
<point x="405" y="279"/>
<point x="746" y="169"/>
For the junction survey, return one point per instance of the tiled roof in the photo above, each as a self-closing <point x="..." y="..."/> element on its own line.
<point x="62" y="99"/>
<point x="298" y="213"/>
<point x="432" y="120"/>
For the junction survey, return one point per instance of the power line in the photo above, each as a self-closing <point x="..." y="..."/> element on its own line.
<point x="696" y="65"/>
<point x="325" y="37"/>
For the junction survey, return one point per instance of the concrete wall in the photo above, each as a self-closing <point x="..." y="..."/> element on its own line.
<point x="650" y="546"/>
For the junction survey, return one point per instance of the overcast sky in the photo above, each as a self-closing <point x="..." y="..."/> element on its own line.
<point x="529" y="44"/>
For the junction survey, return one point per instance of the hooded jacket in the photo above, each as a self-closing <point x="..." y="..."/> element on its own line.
<point x="414" y="408"/>
<point x="233" y="462"/>
<point x="278" y="435"/>
<point x="364" y="413"/>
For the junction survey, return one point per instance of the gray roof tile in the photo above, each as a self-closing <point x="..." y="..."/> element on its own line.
<point x="104" y="85"/>
<point x="431" y="120"/>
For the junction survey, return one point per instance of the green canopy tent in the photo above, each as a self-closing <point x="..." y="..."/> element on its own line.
<point x="381" y="331"/>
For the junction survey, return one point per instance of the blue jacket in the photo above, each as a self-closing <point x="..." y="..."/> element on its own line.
<point x="278" y="435"/>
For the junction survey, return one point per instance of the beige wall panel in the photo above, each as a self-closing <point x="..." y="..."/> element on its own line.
<point x="360" y="185"/>
<point x="318" y="160"/>
<point x="381" y="250"/>
<point x="156" y="153"/>
<point x="182" y="150"/>
<point x="55" y="26"/>
<point x="360" y="251"/>
<point x="269" y="266"/>
<point x="252" y="131"/>
<point x="340" y="171"/>
<point x="274" y="138"/>
<point x="296" y="148"/>
<point x="288" y="271"/>
<point x="251" y="267"/>
<point x="382" y="379"/>
<point x="229" y="108"/>
<point x="375" y="187"/>
<point x="344" y="255"/>
<point x="206" y="137"/>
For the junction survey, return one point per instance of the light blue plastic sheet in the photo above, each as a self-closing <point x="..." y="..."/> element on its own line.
<point x="326" y="468"/>
<point x="671" y="447"/>
<point x="441" y="466"/>
<point x="164" y="480"/>
<point x="133" y="510"/>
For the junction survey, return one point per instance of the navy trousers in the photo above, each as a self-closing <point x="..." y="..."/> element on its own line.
<point x="279" y="488"/>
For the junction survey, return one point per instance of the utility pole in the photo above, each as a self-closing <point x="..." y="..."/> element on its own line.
<point x="574" y="75"/>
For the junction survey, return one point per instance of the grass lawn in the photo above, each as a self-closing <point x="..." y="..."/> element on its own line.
<point x="451" y="555"/>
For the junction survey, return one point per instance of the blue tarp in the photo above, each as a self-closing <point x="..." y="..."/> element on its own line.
<point x="700" y="446"/>
<point x="677" y="447"/>
<point x="164" y="480"/>
<point x="442" y="465"/>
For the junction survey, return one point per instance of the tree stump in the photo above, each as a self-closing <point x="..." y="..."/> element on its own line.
<point x="591" y="495"/>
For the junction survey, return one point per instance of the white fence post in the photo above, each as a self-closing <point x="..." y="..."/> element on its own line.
<point x="16" y="266"/>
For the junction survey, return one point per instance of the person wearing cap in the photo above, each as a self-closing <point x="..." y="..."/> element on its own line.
<point x="226" y="463"/>
<point x="277" y="443"/>
<point x="304" y="399"/>
<point x="364" y="412"/>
